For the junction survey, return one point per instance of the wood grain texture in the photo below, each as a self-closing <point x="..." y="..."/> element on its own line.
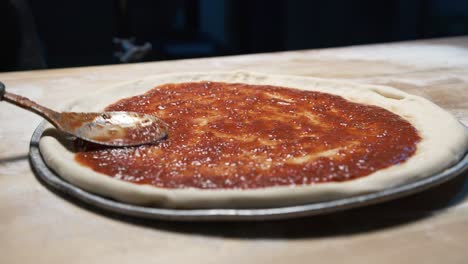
<point x="39" y="226"/>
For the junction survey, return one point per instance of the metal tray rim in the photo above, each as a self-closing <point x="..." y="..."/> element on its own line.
<point x="225" y="214"/>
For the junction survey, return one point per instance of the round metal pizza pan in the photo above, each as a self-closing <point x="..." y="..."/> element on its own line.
<point x="225" y="214"/>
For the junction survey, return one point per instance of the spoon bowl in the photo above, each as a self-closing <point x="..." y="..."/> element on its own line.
<point x="114" y="128"/>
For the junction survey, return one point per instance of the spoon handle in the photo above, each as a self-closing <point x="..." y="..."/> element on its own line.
<point x="2" y="90"/>
<point x="29" y="105"/>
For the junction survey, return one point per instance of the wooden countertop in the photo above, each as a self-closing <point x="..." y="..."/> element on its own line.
<point x="38" y="226"/>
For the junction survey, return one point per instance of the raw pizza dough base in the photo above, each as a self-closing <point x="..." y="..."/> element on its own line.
<point x="444" y="141"/>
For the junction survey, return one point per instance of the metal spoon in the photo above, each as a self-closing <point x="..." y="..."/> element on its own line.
<point x="106" y="128"/>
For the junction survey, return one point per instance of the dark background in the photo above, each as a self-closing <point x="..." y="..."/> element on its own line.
<point x="56" y="33"/>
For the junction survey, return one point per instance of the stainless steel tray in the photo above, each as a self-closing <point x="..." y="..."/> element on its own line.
<point x="225" y="214"/>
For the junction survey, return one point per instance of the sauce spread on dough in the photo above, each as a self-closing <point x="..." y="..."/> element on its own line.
<point x="228" y="135"/>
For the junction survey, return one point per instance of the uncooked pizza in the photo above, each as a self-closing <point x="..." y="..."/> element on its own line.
<point x="252" y="140"/>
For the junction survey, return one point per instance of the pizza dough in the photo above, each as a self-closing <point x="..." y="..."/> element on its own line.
<point x="444" y="141"/>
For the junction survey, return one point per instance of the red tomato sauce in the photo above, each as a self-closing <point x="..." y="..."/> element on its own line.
<point x="231" y="135"/>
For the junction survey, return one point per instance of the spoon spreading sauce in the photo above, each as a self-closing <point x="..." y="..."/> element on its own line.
<point x="116" y="129"/>
<point x="229" y="135"/>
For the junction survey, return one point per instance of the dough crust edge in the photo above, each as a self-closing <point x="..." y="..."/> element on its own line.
<point x="444" y="141"/>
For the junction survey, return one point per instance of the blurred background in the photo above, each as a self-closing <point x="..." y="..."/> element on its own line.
<point x="56" y="33"/>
